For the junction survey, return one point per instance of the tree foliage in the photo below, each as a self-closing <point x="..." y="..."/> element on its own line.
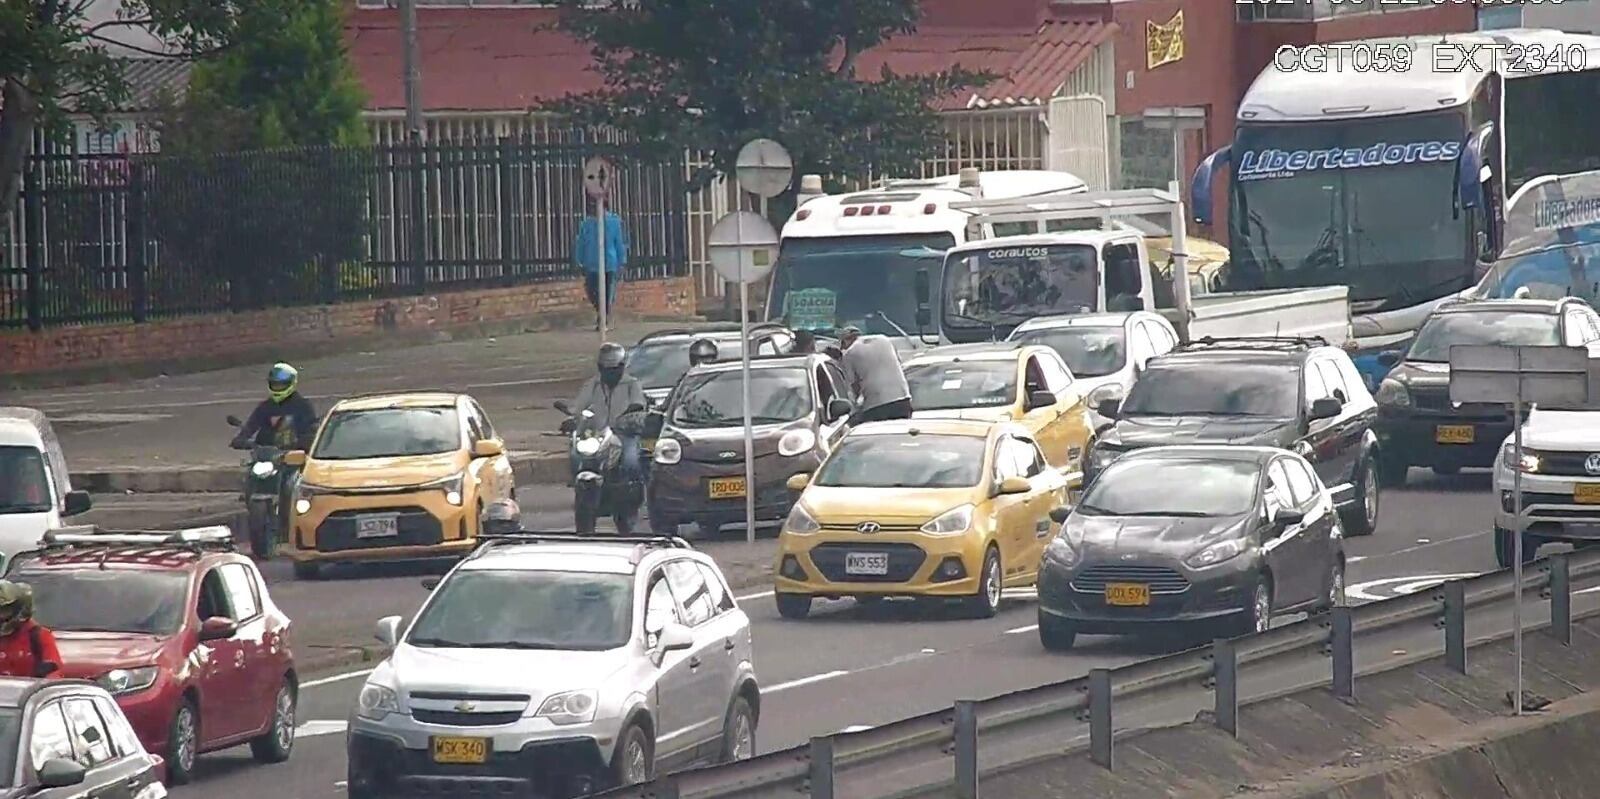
<point x="710" y="75"/>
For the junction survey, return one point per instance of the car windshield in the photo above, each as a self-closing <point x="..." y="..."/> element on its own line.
<point x="1189" y="487"/>
<point x="868" y="281"/>
<point x="1546" y="275"/>
<point x="146" y="602"/>
<point x="1446" y="330"/>
<point x="389" y="433"/>
<point x="716" y="399"/>
<point x="905" y="461"/>
<point x="523" y="609"/>
<point x="661" y="364"/>
<point x="24" y="488"/>
<point x="950" y="385"/>
<point x="1005" y="285"/>
<point x="1215" y="389"/>
<point x="1088" y="351"/>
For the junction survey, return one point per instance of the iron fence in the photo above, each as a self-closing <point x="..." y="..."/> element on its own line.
<point x="98" y="238"/>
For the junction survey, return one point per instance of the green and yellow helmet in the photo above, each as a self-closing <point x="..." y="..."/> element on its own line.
<point x="281" y="381"/>
<point x="16" y="605"/>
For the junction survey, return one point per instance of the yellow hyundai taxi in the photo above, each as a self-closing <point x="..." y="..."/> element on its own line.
<point x="1005" y="381"/>
<point x="946" y="508"/>
<point x="397" y="476"/>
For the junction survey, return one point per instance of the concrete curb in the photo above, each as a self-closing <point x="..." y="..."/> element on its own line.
<point x="531" y="468"/>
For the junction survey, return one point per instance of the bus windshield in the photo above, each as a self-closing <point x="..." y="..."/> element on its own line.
<point x="1366" y="203"/>
<point x="1007" y="285"/>
<point x="868" y="281"/>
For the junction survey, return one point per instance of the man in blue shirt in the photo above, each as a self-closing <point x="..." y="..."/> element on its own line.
<point x="586" y="253"/>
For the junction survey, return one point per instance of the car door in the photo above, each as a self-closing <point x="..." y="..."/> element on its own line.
<point x="1296" y="547"/>
<point x="1348" y="429"/>
<point x="1319" y="521"/>
<point x="709" y="669"/>
<point x="220" y="666"/>
<point x="730" y="626"/>
<point x="1141" y="348"/>
<point x="1013" y="527"/>
<point x="1072" y="422"/>
<point x="495" y="473"/>
<point x="111" y="774"/>
<point x="675" y="713"/>
<point x="140" y="765"/>
<point x="1320" y="443"/>
<point x="50" y="738"/>
<point x="1162" y="337"/>
<point x="261" y="678"/>
<point x="1049" y="491"/>
<point x="829" y="382"/>
<point x="1280" y="542"/>
<point x="1041" y="422"/>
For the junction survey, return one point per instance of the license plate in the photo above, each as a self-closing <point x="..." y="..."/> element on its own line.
<point x="1586" y="493"/>
<point x="1454" y="434"/>
<point x="725" y="487"/>
<point x="869" y="563"/>
<point x="460" y="750"/>
<point x="377" y="526"/>
<point x="1127" y="594"/>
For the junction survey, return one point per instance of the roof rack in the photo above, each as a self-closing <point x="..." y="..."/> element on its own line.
<point x="194" y="539"/>
<point x="715" y="327"/>
<point x="1255" y="342"/>
<point x="487" y="540"/>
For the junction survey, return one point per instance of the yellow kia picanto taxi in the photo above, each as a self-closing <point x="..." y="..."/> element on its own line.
<point x="1005" y="381"/>
<point x="944" y="508"/>
<point x="397" y="476"/>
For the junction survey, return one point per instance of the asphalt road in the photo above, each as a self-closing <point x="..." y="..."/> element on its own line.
<point x="817" y="674"/>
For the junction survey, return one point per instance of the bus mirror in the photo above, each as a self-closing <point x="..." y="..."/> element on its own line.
<point x="921" y="281"/>
<point x="1200" y="186"/>
<point x="924" y="318"/>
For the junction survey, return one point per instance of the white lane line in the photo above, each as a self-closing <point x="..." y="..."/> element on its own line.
<point x="748" y="597"/>
<point x="1028" y="629"/>
<point x="311" y="729"/>
<point x="815" y="678"/>
<point x="1402" y="585"/>
<point x="335" y="678"/>
<point x="1355" y="559"/>
<point x="855" y="728"/>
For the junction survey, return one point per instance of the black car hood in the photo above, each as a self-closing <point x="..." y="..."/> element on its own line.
<point x="1151" y="431"/>
<point x="1105" y="537"/>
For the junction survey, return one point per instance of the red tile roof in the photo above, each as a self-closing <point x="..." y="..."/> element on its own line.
<point x="501" y="59"/>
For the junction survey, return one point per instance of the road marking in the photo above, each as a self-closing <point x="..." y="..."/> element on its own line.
<point x="1009" y="593"/>
<point x="1402" y="585"/>
<point x="1355" y="559"/>
<point x="854" y="728"/>
<point x="748" y="597"/>
<point x="784" y="686"/>
<point x="311" y="729"/>
<point x="1028" y="629"/>
<point x="335" y="678"/>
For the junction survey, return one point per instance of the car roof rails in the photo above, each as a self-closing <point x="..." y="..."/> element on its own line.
<point x="719" y="327"/>
<point x="157" y="545"/>
<point x="1254" y="343"/>
<point x="642" y="543"/>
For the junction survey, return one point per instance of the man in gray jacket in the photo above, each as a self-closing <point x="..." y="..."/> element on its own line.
<point x="612" y="396"/>
<point x="872" y="369"/>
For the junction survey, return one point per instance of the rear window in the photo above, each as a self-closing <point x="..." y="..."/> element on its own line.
<point x="143" y="601"/>
<point x="921" y="461"/>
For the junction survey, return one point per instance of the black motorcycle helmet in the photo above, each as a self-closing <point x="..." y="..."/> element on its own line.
<point x="702" y="350"/>
<point x="611" y="361"/>
<point x="501" y="517"/>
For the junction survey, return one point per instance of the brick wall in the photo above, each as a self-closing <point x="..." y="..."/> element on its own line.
<point x="213" y="336"/>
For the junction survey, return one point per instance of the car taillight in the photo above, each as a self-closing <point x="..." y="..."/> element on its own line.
<point x="803" y="213"/>
<point x="929" y="208"/>
<point x="883" y="209"/>
<point x="866" y="210"/>
<point x="851" y="211"/>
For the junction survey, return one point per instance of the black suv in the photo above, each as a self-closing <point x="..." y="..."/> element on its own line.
<point x="1293" y="393"/>
<point x="1418" y="425"/>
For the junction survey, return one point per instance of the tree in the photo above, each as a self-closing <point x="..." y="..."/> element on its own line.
<point x="52" y="58"/>
<point x="710" y="75"/>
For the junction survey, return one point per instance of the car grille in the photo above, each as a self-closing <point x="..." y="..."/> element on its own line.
<point x="451" y="718"/>
<point x="1438" y="399"/>
<point x="1160" y="579"/>
<point x="1570" y="464"/>
<point x="417" y="527"/>
<point x="904" y="561"/>
<point x="851" y="527"/>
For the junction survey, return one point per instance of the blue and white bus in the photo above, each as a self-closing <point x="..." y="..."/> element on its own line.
<point x="1395" y="183"/>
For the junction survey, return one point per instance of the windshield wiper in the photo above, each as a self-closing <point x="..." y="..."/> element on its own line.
<point x="513" y="645"/>
<point x="1181" y="514"/>
<point x="439" y="642"/>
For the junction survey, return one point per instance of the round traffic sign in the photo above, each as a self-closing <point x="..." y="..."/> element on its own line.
<point x="764" y="168"/>
<point x="597" y="176"/>
<point x="743" y="247"/>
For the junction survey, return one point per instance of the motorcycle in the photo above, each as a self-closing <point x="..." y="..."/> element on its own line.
<point x="598" y="486"/>
<point x="263" y="487"/>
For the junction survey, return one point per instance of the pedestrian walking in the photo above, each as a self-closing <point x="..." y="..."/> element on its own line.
<point x="586" y="252"/>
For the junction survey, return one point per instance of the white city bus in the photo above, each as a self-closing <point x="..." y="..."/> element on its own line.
<point x="1395" y="183"/>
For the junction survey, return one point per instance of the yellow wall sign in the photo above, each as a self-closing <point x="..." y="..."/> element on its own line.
<point x="1163" y="43"/>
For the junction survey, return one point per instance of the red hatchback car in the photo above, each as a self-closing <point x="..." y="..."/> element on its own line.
<point x="179" y="628"/>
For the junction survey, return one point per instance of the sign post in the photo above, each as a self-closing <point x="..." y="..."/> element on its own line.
<point x="1557" y="376"/>
<point x="743" y="247"/>
<point x="597" y="174"/>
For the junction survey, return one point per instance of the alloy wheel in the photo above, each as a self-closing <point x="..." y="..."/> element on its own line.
<point x="992" y="583"/>
<point x="186" y="744"/>
<point x="744" y="739"/>
<point x="1370" y="483"/>
<point x="638" y="769"/>
<point x="285" y="718"/>
<point x="1263" y="608"/>
<point x="1336" y="586"/>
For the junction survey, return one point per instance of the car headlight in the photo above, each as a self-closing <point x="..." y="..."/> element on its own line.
<point x="668" y="451"/>
<point x="1530" y="460"/>
<point x="1215" y="553"/>
<point x="1101" y="457"/>
<point x="1394" y="394"/>
<point x="1062" y="552"/>
<point x="587" y="446"/>
<point x="452" y="487"/>
<point x="951" y="522"/>
<point x="571" y="707"/>
<point x="304" y="494"/>
<point x="377" y="701"/>
<point x="263" y="469"/>
<point x="800" y="521"/>
<point x="796" y="442"/>
<point x="1103" y="393"/>
<point x="127" y="681"/>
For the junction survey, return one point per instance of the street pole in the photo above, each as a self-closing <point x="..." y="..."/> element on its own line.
<point x="413" y="68"/>
<point x="600" y="238"/>
<point x="1516" y="543"/>
<point x="749" y="427"/>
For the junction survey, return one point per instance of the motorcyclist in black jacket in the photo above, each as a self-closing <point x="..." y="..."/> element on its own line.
<point x="285" y="419"/>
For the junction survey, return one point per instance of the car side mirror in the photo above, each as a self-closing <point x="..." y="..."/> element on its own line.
<point x="675" y="637"/>
<point x="61" y="773"/>
<point x="1040" y="399"/>
<point x="924" y="317"/>
<point x="1059" y="513"/>
<point x="387" y="630"/>
<point x="1015" y="485"/>
<point x="1325" y="408"/>
<point x="798" y="482"/>
<point x="488" y="448"/>
<point x="653" y="424"/>
<point x="294" y="457"/>
<point x="217" y="628"/>
<point x="77" y="502"/>
<point x="234" y="421"/>
<point x="839" y="408"/>
<point x="1288" y="518"/>
<point x="1109" y="407"/>
<point x="431" y="582"/>
<point x="1390" y="359"/>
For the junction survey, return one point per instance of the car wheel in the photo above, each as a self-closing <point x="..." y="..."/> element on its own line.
<point x="1257" y="614"/>
<point x="986" y="603"/>
<point x="583" y="519"/>
<point x="1057" y="635"/>
<point x="307" y="571"/>
<point x="1391" y="472"/>
<point x="634" y="761"/>
<point x="260" y="520"/>
<point x="1362" y="516"/>
<point x="183" y="744"/>
<point x="277" y="742"/>
<point x="625" y="522"/>
<point x="793" y="606"/>
<point x="1505" y="548"/>
<point x="739" y="732"/>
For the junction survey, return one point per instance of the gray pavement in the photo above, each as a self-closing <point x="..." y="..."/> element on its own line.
<point x="846" y="666"/>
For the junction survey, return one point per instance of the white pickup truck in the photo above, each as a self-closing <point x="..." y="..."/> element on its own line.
<point x="1088" y="254"/>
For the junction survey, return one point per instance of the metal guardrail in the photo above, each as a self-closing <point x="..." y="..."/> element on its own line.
<point x="952" y="734"/>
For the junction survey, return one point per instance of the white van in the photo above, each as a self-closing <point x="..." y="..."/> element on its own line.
<point x="35" y="490"/>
